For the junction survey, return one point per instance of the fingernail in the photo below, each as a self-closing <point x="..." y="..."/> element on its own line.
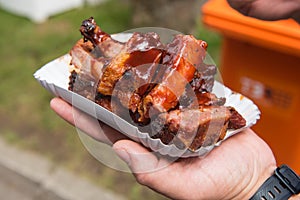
<point x="124" y="155"/>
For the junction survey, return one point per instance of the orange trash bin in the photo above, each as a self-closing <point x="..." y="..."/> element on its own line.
<point x="261" y="60"/>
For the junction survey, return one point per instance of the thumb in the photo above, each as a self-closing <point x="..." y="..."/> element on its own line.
<point x="138" y="158"/>
<point x="148" y="168"/>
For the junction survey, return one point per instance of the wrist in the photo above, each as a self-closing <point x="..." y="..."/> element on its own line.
<point x="258" y="181"/>
<point x="258" y="177"/>
<point x="281" y="185"/>
<point x="258" y="169"/>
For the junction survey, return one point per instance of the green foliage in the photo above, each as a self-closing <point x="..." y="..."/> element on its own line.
<point x="25" y="47"/>
<point x="25" y="116"/>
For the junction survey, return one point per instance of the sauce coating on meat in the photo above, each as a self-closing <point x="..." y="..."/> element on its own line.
<point x="149" y="83"/>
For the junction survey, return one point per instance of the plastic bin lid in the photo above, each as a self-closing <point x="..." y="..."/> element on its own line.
<point x="283" y="35"/>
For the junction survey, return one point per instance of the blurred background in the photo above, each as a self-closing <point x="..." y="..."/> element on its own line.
<point x="34" y="32"/>
<point x="259" y="59"/>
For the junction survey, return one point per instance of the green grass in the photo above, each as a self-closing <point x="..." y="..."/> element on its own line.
<point x="25" y="47"/>
<point x="25" y="117"/>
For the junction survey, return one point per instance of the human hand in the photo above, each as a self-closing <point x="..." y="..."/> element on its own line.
<point x="268" y="9"/>
<point x="94" y="128"/>
<point x="234" y="170"/>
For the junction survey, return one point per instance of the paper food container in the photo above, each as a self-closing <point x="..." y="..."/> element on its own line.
<point x="54" y="76"/>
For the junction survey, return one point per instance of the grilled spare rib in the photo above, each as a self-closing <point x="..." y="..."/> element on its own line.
<point x="150" y="84"/>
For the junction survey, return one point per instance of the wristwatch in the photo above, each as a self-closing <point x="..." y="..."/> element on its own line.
<point x="280" y="186"/>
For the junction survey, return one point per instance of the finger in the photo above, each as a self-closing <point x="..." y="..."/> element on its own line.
<point x="142" y="161"/>
<point x="138" y="158"/>
<point x="63" y="109"/>
<point x="78" y="119"/>
<point x="243" y="6"/>
<point x="159" y="173"/>
<point x="85" y="122"/>
<point x="276" y="10"/>
<point x="267" y="9"/>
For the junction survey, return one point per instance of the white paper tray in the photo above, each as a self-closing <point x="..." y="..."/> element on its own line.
<point x="54" y="76"/>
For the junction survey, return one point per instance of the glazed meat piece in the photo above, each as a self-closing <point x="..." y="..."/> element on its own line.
<point x="141" y="49"/>
<point x="86" y="70"/>
<point x="196" y="99"/>
<point x="83" y="83"/>
<point x="236" y="120"/>
<point x="209" y="99"/>
<point x="179" y="64"/>
<point x="134" y="84"/>
<point x="90" y="56"/>
<point x="84" y="60"/>
<point x="204" y="78"/>
<point x="104" y="45"/>
<point x="209" y="125"/>
<point x="164" y="89"/>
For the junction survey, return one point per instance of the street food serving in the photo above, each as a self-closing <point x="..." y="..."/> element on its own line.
<point x="164" y="89"/>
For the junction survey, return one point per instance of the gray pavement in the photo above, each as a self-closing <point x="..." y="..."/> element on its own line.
<point x="25" y="175"/>
<point x="13" y="186"/>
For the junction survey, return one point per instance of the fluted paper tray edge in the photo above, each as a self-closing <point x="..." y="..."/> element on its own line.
<point x="54" y="77"/>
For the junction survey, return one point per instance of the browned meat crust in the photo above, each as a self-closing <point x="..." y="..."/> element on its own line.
<point x="145" y="81"/>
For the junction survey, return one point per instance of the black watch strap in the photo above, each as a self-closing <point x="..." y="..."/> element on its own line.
<point x="280" y="186"/>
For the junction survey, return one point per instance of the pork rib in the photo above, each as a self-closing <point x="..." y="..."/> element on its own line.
<point x="209" y="125"/>
<point x="153" y="83"/>
<point x="183" y="55"/>
<point x="141" y="49"/>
